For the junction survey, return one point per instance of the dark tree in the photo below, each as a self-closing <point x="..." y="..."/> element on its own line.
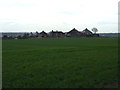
<point x="19" y="37"/>
<point x="5" y="37"/>
<point x="26" y="35"/>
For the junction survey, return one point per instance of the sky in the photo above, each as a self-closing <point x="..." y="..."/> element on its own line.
<point x="60" y="15"/>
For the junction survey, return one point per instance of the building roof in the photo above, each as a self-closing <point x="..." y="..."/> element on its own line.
<point x="56" y="32"/>
<point x="43" y="32"/>
<point x="74" y="31"/>
<point x="87" y="31"/>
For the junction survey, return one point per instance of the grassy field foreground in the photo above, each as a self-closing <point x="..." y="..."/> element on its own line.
<point x="60" y="63"/>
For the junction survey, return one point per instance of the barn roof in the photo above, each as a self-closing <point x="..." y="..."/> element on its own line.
<point x="74" y="31"/>
<point x="87" y="31"/>
<point x="56" y="32"/>
<point x="43" y="32"/>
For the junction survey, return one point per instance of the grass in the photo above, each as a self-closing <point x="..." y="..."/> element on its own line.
<point x="60" y="63"/>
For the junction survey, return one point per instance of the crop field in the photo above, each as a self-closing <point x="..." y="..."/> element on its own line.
<point x="60" y="63"/>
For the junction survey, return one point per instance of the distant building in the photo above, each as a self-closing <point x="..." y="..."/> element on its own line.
<point x="53" y="34"/>
<point x="95" y="35"/>
<point x="73" y="33"/>
<point x="87" y="33"/>
<point x="42" y="35"/>
<point x="13" y="35"/>
<point x="56" y="34"/>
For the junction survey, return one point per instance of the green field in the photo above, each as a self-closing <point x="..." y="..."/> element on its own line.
<point x="60" y="63"/>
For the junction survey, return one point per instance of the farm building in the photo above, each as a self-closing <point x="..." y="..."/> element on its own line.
<point x="87" y="33"/>
<point x="12" y="34"/>
<point x="73" y="33"/>
<point x="56" y="34"/>
<point x="42" y="35"/>
<point x="95" y="35"/>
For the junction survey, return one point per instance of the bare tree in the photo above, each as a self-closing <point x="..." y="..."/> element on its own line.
<point x="94" y="30"/>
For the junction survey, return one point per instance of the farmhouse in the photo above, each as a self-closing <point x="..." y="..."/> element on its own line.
<point x="56" y="34"/>
<point x="87" y="33"/>
<point x="73" y="33"/>
<point x="42" y="35"/>
<point x="12" y="34"/>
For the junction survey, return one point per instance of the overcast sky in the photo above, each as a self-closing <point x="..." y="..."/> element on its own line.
<point x="61" y="15"/>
